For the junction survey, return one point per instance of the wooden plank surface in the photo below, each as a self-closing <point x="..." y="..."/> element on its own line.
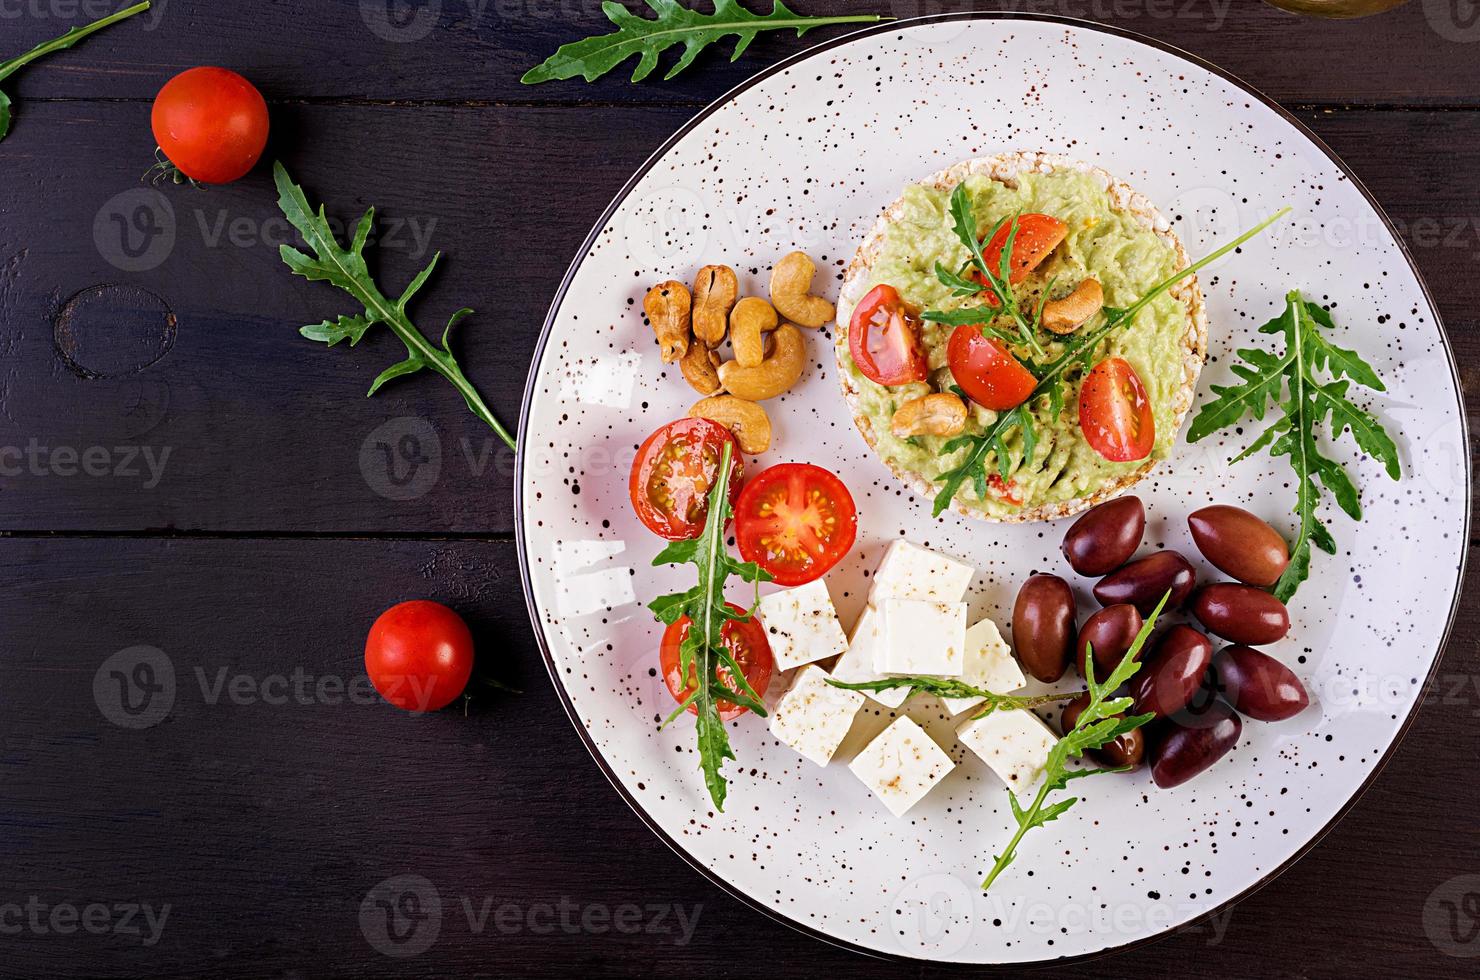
<point x="476" y="50"/>
<point x="225" y="502"/>
<point x="263" y="825"/>
<point x="250" y="428"/>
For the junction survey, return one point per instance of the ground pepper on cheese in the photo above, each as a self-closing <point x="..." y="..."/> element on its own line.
<point x="1125" y="256"/>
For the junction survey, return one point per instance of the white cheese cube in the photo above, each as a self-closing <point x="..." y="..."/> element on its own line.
<point x="923" y="638"/>
<point x="990" y="665"/>
<point x="801" y="625"/>
<point x="901" y="765"/>
<point x="857" y="665"/>
<point x="1015" y="744"/>
<point x="909" y="571"/>
<point x="813" y="717"/>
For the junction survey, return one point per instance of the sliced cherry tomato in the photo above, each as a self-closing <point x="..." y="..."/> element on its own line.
<point x="419" y="655"/>
<point x="674" y="472"/>
<point x="746" y="642"/>
<point x="211" y="124"/>
<point x="796" y="521"/>
<point x="1115" y="412"/>
<point x="986" y="370"/>
<point x="1037" y="236"/>
<point x="884" y="339"/>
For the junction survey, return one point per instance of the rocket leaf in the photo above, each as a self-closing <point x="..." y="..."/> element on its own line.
<point x="675" y="24"/>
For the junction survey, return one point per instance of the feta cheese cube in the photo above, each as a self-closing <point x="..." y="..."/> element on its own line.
<point x="923" y="638"/>
<point x="901" y="765"/>
<point x="989" y="665"/>
<point x="802" y="625"/>
<point x="813" y="717"/>
<point x="1015" y="744"/>
<point x="909" y="571"/>
<point x="857" y="665"/>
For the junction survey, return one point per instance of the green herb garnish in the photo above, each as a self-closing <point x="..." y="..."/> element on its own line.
<point x="8" y="68"/>
<point x="1078" y="349"/>
<point x="347" y="270"/>
<point x="946" y="688"/>
<point x="703" y="654"/>
<point x="1096" y="727"/>
<point x="1308" y="404"/>
<point x="998" y="281"/>
<point x="675" y="24"/>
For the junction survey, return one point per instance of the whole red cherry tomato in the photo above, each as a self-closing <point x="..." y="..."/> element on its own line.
<point x="211" y="124"/>
<point x="419" y="655"/>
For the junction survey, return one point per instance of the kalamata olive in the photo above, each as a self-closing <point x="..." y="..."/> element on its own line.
<point x="1259" y="685"/>
<point x="1144" y="581"/>
<point x="1170" y="679"/>
<point x="1111" y="631"/>
<point x="1043" y="626"/>
<point x="1241" y="613"/>
<point x="1126" y="751"/>
<point x="1239" y="544"/>
<point x="1186" y="747"/>
<point x="1106" y="536"/>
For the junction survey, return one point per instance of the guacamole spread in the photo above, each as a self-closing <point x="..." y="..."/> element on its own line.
<point x="1115" y="246"/>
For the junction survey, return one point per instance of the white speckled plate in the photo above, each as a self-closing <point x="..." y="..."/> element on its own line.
<point x="804" y="156"/>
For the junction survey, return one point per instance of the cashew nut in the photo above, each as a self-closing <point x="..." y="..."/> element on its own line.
<point x="750" y="320"/>
<point x="747" y="420"/>
<point x="700" y="367"/>
<point x="773" y="376"/>
<point x="667" y="307"/>
<point x="715" y="291"/>
<point x="1070" y="313"/>
<point x="933" y="415"/>
<point x="791" y="287"/>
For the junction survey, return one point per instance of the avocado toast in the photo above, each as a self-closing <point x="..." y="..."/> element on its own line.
<point x="1109" y="233"/>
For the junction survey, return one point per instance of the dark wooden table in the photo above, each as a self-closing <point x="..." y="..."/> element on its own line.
<point x="182" y="472"/>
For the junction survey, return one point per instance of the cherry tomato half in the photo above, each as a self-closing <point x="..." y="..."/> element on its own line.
<point x="1115" y="412"/>
<point x="211" y="124"/>
<point x="884" y="339"/>
<point x="986" y="370"/>
<point x="796" y="521"/>
<point x="1037" y="236"/>
<point x="674" y="472"/>
<point x="746" y="642"/>
<point x="419" y="655"/>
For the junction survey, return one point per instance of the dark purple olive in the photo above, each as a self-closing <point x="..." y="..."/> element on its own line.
<point x="1126" y="751"/>
<point x="1239" y="544"/>
<point x="1170" y="679"/>
<point x="1241" y="613"/>
<point x="1258" y="685"/>
<point x="1111" y="632"/>
<point x="1144" y="581"/>
<point x="1188" y="746"/>
<point x="1043" y="626"/>
<point x="1106" y="536"/>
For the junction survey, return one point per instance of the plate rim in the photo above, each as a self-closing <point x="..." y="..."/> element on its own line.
<point x="537" y="359"/>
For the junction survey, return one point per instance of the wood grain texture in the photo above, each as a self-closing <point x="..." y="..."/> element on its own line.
<point x="264" y="825"/>
<point x="476" y="50"/>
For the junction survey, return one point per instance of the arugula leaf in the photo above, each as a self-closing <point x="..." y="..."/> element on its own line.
<point x="346" y="269"/>
<point x="8" y="68"/>
<point x="1078" y="349"/>
<point x="675" y="24"/>
<point x="703" y="654"/>
<point x="947" y="688"/>
<point x="1262" y="378"/>
<point x="1100" y="723"/>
